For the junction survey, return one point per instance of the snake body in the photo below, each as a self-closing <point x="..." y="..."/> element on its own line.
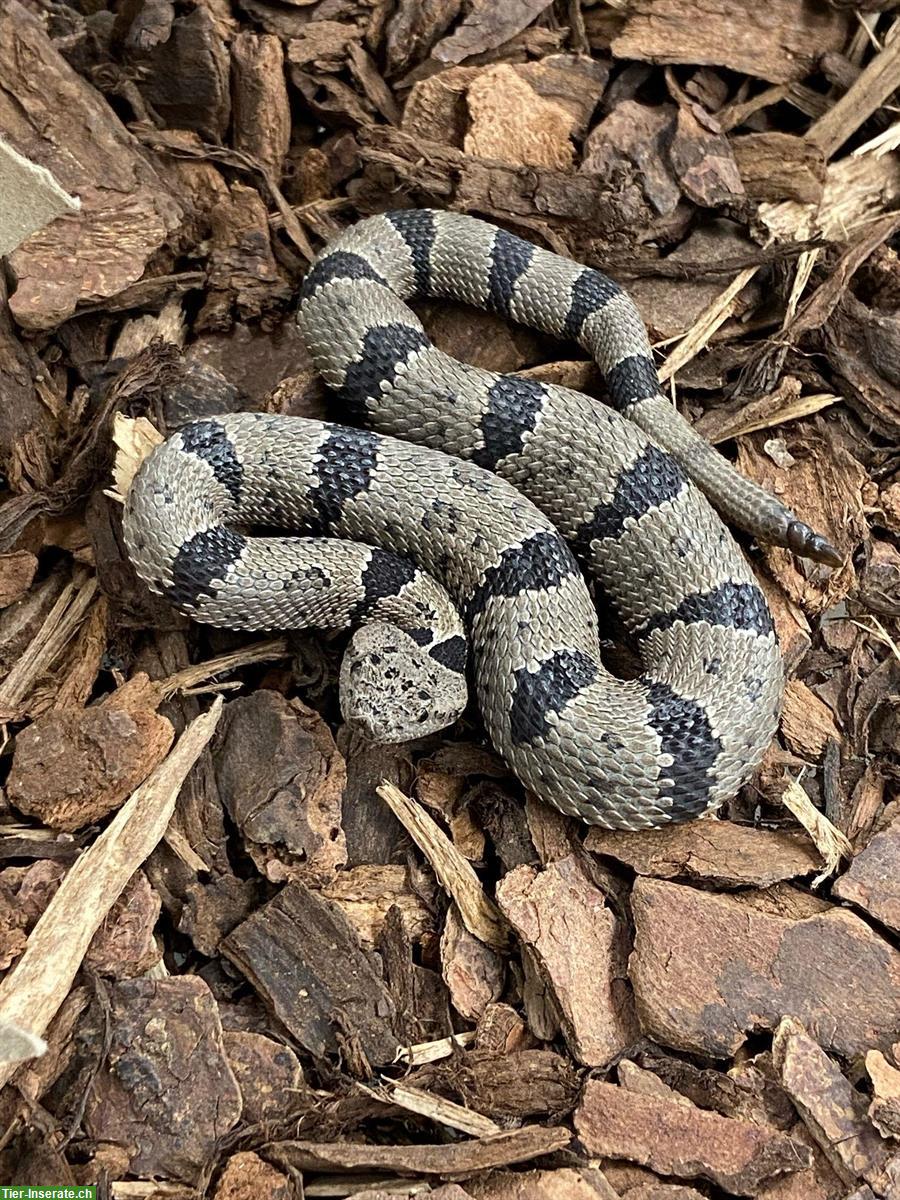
<point x="457" y="515"/>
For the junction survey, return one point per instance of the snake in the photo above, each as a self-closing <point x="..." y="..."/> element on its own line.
<point x="467" y="523"/>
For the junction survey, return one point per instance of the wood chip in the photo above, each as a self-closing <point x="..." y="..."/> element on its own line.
<point x="262" y="111"/>
<point x="718" y="852"/>
<point x="268" y="1074"/>
<point x="155" y="1027"/>
<point x="512" y="123"/>
<point x="486" y="27"/>
<point x="479" y="914"/>
<point x="72" y="768"/>
<point x="473" y="972"/>
<point x="834" y="1112"/>
<point x="31" y="994"/>
<point x="126" y="211"/>
<point x="780" y="42"/>
<point x="884" y="1110"/>
<point x="708" y="968"/>
<point x="323" y="987"/>
<point x="459" y="1160"/>
<point x="872" y="881"/>
<point x="674" y="1138"/>
<point x="283" y="780"/>
<point x="806" y="721"/>
<point x="780" y="166"/>
<point x="579" y="950"/>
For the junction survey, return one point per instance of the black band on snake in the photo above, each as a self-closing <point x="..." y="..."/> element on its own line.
<point x="460" y="515"/>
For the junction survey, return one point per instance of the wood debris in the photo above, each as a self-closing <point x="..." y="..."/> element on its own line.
<point x="243" y="952"/>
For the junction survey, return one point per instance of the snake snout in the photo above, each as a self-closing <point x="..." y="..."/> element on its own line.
<point x="393" y="690"/>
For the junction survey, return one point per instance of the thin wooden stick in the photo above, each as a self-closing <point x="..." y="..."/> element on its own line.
<point x="31" y="994"/>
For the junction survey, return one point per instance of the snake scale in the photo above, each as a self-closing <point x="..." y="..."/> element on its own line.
<point x="459" y="515"/>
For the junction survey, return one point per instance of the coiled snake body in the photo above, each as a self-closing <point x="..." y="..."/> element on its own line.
<point x="494" y="475"/>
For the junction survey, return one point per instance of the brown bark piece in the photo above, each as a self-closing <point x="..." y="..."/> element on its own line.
<point x="243" y="274"/>
<point x="27" y="428"/>
<point x="454" y="179"/>
<point x="507" y="1086"/>
<point x="702" y="160"/>
<point x="872" y="881"/>
<point x="630" y="145"/>
<point x="833" y="1110"/>
<point x="124" y="946"/>
<point x="679" y="1139"/>
<point x="567" y="1183"/>
<point x="575" y="82"/>
<point x="662" y="1191"/>
<point x="486" y="26"/>
<point x="420" y="996"/>
<point x="16" y="574"/>
<point x="268" y="1074"/>
<point x="63" y="124"/>
<point x="707" y="969"/>
<point x="436" y="108"/>
<point x="510" y="122"/>
<point x="186" y="78"/>
<point x="319" y="984"/>
<point x="262" y="111"/>
<point x="718" y="852"/>
<point x="818" y="1182"/>
<point x="71" y="768"/>
<point x="168" y="1118"/>
<point x="211" y="910"/>
<point x="413" y="28"/>
<point x="282" y="777"/>
<point x="472" y="971"/>
<point x="884" y="1110"/>
<point x="367" y="893"/>
<point x="779" y="41"/>
<point x="31" y="198"/>
<point x="322" y="44"/>
<point x="13" y="922"/>
<point x="459" y="1159"/>
<point x="447" y="1191"/>
<point x="578" y="945"/>
<point x="246" y="1176"/>
<point x="806" y="721"/>
<point x="779" y="166"/>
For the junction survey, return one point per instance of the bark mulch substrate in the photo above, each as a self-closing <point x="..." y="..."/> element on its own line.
<point x="269" y="960"/>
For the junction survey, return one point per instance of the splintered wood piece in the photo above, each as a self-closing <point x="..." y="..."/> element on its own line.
<point x="457" y="1160"/>
<point x="33" y="991"/>
<point x="480" y="915"/>
<point x="870" y="90"/>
